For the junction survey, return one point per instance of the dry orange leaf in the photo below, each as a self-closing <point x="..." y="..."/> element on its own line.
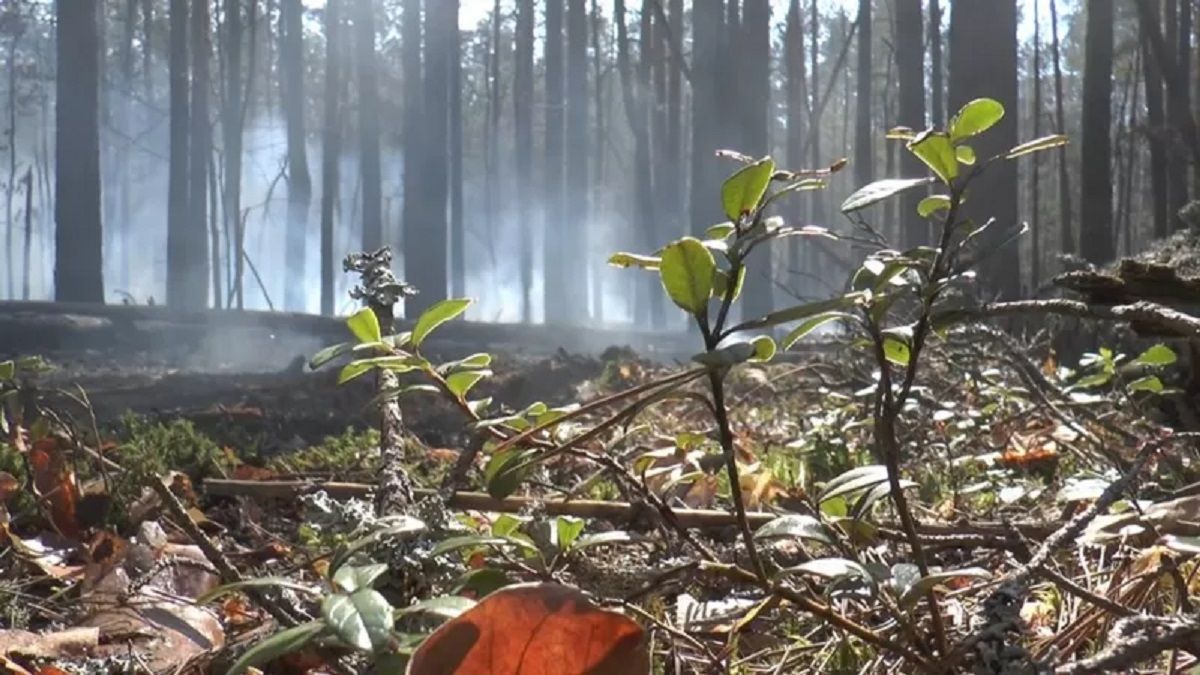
<point x="55" y="481"/>
<point x="535" y="629"/>
<point x="9" y="486"/>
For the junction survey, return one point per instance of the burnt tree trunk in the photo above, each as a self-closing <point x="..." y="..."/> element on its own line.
<point x="1097" y="241"/>
<point x="291" y="68"/>
<point x="78" y="268"/>
<point x="331" y="149"/>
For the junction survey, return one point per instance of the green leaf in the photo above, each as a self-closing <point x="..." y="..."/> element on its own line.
<point x="399" y="364"/>
<point x="646" y="262"/>
<point x="350" y="579"/>
<point x="567" y="530"/>
<point x="975" y="118"/>
<point x="868" y="498"/>
<point x="764" y="349"/>
<point x="965" y="154"/>
<point x="261" y="582"/>
<point x="932" y="204"/>
<point x="445" y="607"/>
<point x="283" y="642"/>
<point x="473" y="362"/>
<point x="928" y="583"/>
<point x="481" y="582"/>
<point x="727" y="356"/>
<point x="1044" y="143"/>
<point x="687" y="274"/>
<point x="742" y="192"/>
<point x="721" y="283"/>
<point x="720" y="231"/>
<point x="319" y="359"/>
<point x="937" y="152"/>
<point x="8" y="370"/>
<point x="477" y="541"/>
<point x="896" y="350"/>
<point x="879" y="191"/>
<point x="437" y="315"/>
<point x="1182" y="544"/>
<point x="365" y="325"/>
<point x="394" y="528"/>
<point x="804" y="311"/>
<point x="613" y="538"/>
<point x="799" y="332"/>
<point x="854" y="480"/>
<point x="1158" y="355"/>
<point x="461" y="382"/>
<point x="362" y="619"/>
<point x="795" y="526"/>
<point x="832" y="568"/>
<point x="900" y="134"/>
<point x="505" y="471"/>
<point x="1149" y="383"/>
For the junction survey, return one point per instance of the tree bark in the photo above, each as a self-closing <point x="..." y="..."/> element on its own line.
<point x="368" y="125"/>
<point x="426" y="247"/>
<point x="291" y="67"/>
<point x="758" y="299"/>
<point x="458" y="233"/>
<point x="554" y="271"/>
<point x="184" y="276"/>
<point x="1177" y="108"/>
<point x="1066" y="235"/>
<point x="415" y="141"/>
<point x="1035" y="262"/>
<point x="910" y="69"/>
<point x="523" y="148"/>
<point x="1156" y="136"/>
<point x="231" y="126"/>
<point x="797" y="112"/>
<point x="78" y="274"/>
<point x="864" y="150"/>
<point x="988" y="27"/>
<point x="577" y="143"/>
<point x="704" y="201"/>
<point x="1098" y="244"/>
<point x="331" y="143"/>
<point x="937" y="86"/>
<point x="200" y="156"/>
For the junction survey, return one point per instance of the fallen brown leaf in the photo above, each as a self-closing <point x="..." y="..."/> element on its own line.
<point x="534" y="629"/>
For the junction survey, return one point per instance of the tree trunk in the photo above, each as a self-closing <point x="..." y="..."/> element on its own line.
<point x="910" y="71"/>
<point x="815" y="152"/>
<point x="987" y="27"/>
<point x="1035" y="115"/>
<point x="231" y="125"/>
<point x="758" y="298"/>
<point x="458" y="233"/>
<point x="1066" y="235"/>
<point x="523" y="148"/>
<point x="331" y="144"/>
<point x="368" y="124"/>
<point x="555" y="272"/>
<point x="937" y="87"/>
<point x="184" y="276"/>
<point x="707" y="98"/>
<point x="78" y="273"/>
<point x="415" y="141"/>
<point x="200" y="155"/>
<point x="577" y="161"/>
<point x="1096" y="238"/>
<point x="10" y="187"/>
<point x="291" y="67"/>
<point x="599" y="177"/>
<point x="648" y="302"/>
<point x="797" y="111"/>
<point x="864" y="133"/>
<point x="1156" y="136"/>
<point x="1177" y="105"/>
<point x="425" y="250"/>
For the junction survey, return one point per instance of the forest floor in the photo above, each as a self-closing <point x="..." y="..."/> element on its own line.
<point x="136" y="480"/>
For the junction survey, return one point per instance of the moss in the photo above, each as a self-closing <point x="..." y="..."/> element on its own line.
<point x="150" y="448"/>
<point x="354" y="451"/>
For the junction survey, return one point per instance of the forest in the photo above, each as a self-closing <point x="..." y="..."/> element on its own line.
<point x="516" y="337"/>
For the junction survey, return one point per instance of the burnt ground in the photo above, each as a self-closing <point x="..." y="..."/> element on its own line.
<point x="247" y="370"/>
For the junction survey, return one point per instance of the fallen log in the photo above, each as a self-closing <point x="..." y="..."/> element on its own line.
<point x="989" y="535"/>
